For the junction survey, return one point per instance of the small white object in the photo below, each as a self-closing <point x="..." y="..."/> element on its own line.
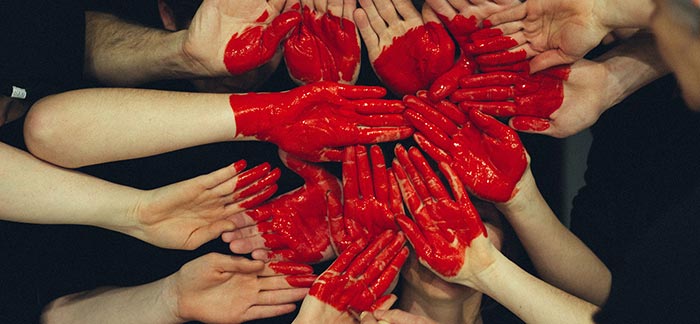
<point x="18" y="93"/>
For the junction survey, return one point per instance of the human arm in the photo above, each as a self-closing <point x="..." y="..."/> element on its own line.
<point x="356" y="281"/>
<point x="450" y="239"/>
<point x="564" y="31"/>
<point x="407" y="51"/>
<point x="564" y="100"/>
<point x="225" y="38"/>
<point x="293" y="226"/>
<point x="183" y="215"/>
<point x="91" y="126"/>
<point x="212" y="288"/>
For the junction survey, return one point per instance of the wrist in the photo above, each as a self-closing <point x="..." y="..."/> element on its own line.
<point x="169" y="301"/>
<point x="526" y="193"/>
<point x="624" y="13"/>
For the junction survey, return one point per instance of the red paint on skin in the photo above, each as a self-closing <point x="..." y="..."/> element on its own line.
<point x="448" y="82"/>
<point x="415" y="59"/>
<point x="357" y="276"/>
<point x="316" y="120"/>
<point x="492" y="45"/>
<point x="461" y="29"/>
<point x="443" y="228"/>
<point x="290" y="268"/>
<point x="530" y="124"/>
<point x="301" y="281"/>
<point x="323" y="48"/>
<point x="502" y="58"/>
<point x="249" y="176"/>
<point x="256" y="45"/>
<point x="536" y="95"/>
<point x="263" y="17"/>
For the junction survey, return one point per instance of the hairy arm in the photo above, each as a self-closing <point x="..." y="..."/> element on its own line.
<point x="121" y="53"/>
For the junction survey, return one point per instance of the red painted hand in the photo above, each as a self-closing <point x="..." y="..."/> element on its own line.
<point x="293" y="226"/>
<point x="258" y="40"/>
<point x="356" y="280"/>
<point x="314" y="121"/>
<point x="407" y="51"/>
<point x="448" y="83"/>
<point x="443" y="228"/>
<point x="530" y="98"/>
<point x="326" y="46"/>
<point x="487" y="155"/>
<point x="371" y="199"/>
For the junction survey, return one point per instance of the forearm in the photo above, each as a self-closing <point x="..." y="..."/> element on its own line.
<point x="91" y="126"/>
<point x="632" y="65"/>
<point x="38" y="192"/>
<point x="120" y="53"/>
<point x="624" y="13"/>
<point x="140" y="304"/>
<point x="559" y="257"/>
<point x="531" y="299"/>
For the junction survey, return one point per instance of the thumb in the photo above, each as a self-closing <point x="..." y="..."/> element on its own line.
<point x="548" y="59"/>
<point x="280" y="27"/>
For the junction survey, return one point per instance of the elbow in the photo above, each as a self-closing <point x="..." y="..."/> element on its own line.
<point x="46" y="135"/>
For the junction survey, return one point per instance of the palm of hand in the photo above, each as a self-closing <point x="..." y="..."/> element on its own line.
<point x="325" y="47"/>
<point x="297" y="223"/>
<point x="365" y="219"/>
<point x="489" y="167"/>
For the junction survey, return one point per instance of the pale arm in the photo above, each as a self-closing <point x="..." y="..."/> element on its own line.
<point x="212" y="288"/>
<point x="559" y="257"/>
<point x="183" y="215"/>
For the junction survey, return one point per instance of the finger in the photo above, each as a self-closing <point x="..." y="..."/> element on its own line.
<point x="491" y="126"/>
<point x="430" y="113"/>
<point x="349" y="7"/>
<point x="277" y="5"/>
<point x="374" y="135"/>
<point x="426" y="129"/>
<point x="246" y="244"/>
<point x="443" y="9"/>
<point x="275" y="283"/>
<point x="434" y="184"/>
<point x="519" y="67"/>
<point x="280" y="27"/>
<point x="351" y="187"/>
<point x="267" y="179"/>
<point x="498" y="109"/>
<point x="428" y="14"/>
<point x="379" y="175"/>
<point x="231" y="263"/>
<point x="363" y="260"/>
<point x="376" y="21"/>
<point x="458" y="189"/>
<point x="218" y="177"/>
<point x="447" y="83"/>
<point x="252" y="201"/>
<point x="445" y="107"/>
<point x="379" y="106"/>
<point x="286" y="268"/>
<point x="433" y="151"/>
<point x="382" y="284"/>
<point x="407" y="10"/>
<point x="311" y="173"/>
<point x="483" y="94"/>
<point x="242" y="220"/>
<point x="549" y="59"/>
<point x="363" y="172"/>
<point x="529" y="124"/>
<point x="415" y="236"/>
<point x="360" y="92"/>
<point x="395" y="200"/>
<point x="207" y="233"/>
<point x="334" y="7"/>
<point x="387" y="11"/>
<point x="484" y="80"/>
<point x="280" y="296"/>
<point x="385" y="302"/>
<point x="407" y="168"/>
<point x="369" y="35"/>
<point x="512" y="14"/>
<point x="413" y="201"/>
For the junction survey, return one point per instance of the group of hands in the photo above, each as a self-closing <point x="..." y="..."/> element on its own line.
<point x="464" y="73"/>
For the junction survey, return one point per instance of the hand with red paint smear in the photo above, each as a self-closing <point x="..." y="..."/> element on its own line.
<point x="558" y="102"/>
<point x="446" y="231"/>
<point x="326" y="46"/>
<point x="562" y="31"/>
<point x="393" y="316"/>
<point x="463" y="17"/>
<point x="314" y="122"/>
<point x="407" y="51"/>
<point x="371" y="198"/>
<point x="293" y="226"/>
<point x="487" y="155"/>
<point x="356" y="281"/>
<point x="502" y="48"/>
<point x="218" y="288"/>
<point x="234" y="37"/>
<point x="187" y="214"/>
